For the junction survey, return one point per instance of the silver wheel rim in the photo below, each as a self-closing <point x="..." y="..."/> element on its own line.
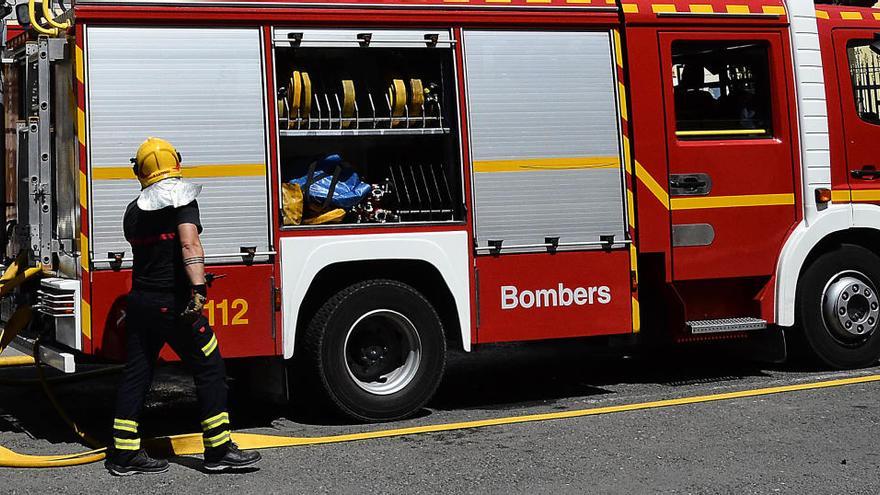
<point x="850" y="306"/>
<point x="382" y="352"/>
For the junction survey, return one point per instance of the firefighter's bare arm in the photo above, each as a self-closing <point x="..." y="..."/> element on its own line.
<point x="194" y="264"/>
<point x="193" y="253"/>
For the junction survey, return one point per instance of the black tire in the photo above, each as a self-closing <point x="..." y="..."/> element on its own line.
<point x="823" y="337"/>
<point x="376" y="306"/>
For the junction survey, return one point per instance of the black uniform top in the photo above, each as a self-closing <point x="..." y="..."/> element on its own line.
<point x="158" y="259"/>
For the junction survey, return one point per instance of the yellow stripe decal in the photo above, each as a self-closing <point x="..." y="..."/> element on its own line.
<point x="774" y="9"/>
<point x="80" y="64"/>
<point x="83" y="190"/>
<point x="840" y="196"/>
<point x="630" y="8"/>
<point x="193" y="172"/>
<point x="702" y="8"/>
<point x="86" y="319"/>
<point x="81" y="126"/>
<point x="851" y="16"/>
<point x="540" y="164"/>
<point x="876" y="16"/>
<point x="662" y="7"/>
<point x="695" y="203"/>
<point x="618" y="48"/>
<point x="864" y="194"/>
<point x="738" y="9"/>
<point x="637" y="317"/>
<point x="821" y="14"/>
<point x="84" y="251"/>
<point x="721" y="132"/>
<point x="621" y="91"/>
<point x="652" y="185"/>
<point x="631" y="209"/>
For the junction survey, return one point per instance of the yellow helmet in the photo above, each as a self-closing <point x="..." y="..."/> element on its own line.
<point x="156" y="159"/>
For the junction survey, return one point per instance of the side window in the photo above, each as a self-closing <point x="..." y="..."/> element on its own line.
<point x="722" y="89"/>
<point x="864" y="69"/>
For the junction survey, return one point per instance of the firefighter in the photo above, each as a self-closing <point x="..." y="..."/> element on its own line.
<point x="165" y="305"/>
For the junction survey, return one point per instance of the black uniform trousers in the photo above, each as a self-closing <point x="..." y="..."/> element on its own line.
<point x="152" y="320"/>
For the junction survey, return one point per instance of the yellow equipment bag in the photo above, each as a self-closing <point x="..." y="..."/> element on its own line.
<point x="292" y="197"/>
<point x="332" y="216"/>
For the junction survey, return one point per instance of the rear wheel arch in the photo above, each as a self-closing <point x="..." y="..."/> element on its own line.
<point x="419" y="274"/>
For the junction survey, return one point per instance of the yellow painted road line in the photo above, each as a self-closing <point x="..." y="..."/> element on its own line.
<point x="191" y="444"/>
<point x="695" y="203"/>
<point x="193" y="172"/>
<point x="543" y="164"/>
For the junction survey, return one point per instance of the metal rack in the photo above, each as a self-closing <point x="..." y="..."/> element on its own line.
<point x="422" y="192"/>
<point x="326" y="119"/>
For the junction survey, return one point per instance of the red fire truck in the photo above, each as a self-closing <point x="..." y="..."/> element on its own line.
<point x="491" y="170"/>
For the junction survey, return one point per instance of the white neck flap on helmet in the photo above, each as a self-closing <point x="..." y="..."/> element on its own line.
<point x="168" y="192"/>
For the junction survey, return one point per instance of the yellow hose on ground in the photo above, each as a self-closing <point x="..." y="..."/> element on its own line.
<point x="16" y="324"/>
<point x="191" y="444"/>
<point x="50" y="17"/>
<point x="35" y="23"/>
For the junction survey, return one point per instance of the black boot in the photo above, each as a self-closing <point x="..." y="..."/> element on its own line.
<point x="228" y="456"/>
<point x="125" y="463"/>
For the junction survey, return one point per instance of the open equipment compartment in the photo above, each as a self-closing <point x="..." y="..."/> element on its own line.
<point x="368" y="127"/>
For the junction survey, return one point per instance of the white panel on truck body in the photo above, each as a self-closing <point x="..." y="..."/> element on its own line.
<point x="545" y="138"/>
<point x="204" y="91"/>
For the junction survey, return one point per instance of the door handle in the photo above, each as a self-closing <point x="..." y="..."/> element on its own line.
<point x="867" y="172"/>
<point x="689" y="184"/>
<point x="210" y="278"/>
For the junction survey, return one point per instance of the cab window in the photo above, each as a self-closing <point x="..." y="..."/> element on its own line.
<point x="721" y="89"/>
<point x="864" y="70"/>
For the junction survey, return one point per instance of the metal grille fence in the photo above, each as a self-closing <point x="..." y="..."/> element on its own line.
<point x="864" y="68"/>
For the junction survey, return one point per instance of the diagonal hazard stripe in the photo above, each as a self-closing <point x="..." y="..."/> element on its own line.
<point x="656" y="189"/>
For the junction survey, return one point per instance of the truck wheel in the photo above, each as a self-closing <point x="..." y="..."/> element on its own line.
<point x="839" y="308"/>
<point x="376" y="351"/>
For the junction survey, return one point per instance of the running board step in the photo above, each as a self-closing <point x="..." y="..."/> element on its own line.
<point x="726" y="325"/>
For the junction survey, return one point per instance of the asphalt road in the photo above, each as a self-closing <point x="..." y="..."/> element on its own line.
<point x="814" y="441"/>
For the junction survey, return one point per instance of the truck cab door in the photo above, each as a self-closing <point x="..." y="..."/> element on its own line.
<point x="858" y="70"/>
<point x="731" y="175"/>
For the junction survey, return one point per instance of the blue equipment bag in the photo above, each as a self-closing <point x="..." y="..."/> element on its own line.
<point x="331" y="182"/>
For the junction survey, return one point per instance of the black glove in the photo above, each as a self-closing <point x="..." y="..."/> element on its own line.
<point x="196" y="302"/>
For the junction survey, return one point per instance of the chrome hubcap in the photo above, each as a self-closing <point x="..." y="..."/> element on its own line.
<point x="382" y="352"/>
<point x="850" y="306"/>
